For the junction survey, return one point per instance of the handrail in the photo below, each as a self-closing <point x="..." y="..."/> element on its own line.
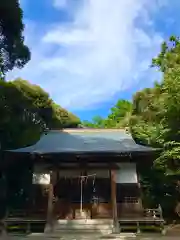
<point x="154" y="212"/>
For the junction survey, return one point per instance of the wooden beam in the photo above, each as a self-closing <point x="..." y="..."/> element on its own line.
<point x="114" y="201"/>
<point x="72" y="166"/>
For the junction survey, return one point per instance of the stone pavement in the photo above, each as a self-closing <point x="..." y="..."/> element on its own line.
<point x="127" y="236"/>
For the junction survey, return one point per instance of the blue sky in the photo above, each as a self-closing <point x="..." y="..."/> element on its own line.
<point x="89" y="53"/>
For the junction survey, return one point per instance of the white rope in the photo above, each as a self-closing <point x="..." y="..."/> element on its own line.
<point x="82" y="179"/>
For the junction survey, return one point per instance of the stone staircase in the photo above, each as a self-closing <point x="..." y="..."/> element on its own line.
<point x="83" y="226"/>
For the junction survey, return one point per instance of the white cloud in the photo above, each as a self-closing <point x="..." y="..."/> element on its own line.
<point x="103" y="51"/>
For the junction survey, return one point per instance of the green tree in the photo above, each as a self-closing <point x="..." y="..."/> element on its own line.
<point x="13" y="51"/>
<point x="26" y="111"/>
<point x="120" y="113"/>
<point x="118" y="117"/>
<point x="63" y="118"/>
<point x="170" y="105"/>
<point x="169" y="57"/>
<point x="97" y="122"/>
<point x="155" y="121"/>
<point x="153" y="118"/>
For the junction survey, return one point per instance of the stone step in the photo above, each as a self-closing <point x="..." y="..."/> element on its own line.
<point x="86" y="221"/>
<point x="83" y="227"/>
<point x="82" y="231"/>
<point x="76" y="236"/>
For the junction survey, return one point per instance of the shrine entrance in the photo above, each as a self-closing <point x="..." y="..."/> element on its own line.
<point x="83" y="196"/>
<point x="87" y="195"/>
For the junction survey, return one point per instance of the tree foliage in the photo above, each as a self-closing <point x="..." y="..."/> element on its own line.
<point x="13" y="51"/>
<point x="155" y="121"/>
<point x="118" y="117"/>
<point x="156" y="111"/>
<point x="154" y="114"/>
<point x="26" y="111"/>
<point x="153" y="118"/>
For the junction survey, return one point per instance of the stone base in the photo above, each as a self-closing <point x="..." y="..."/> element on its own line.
<point x="49" y="228"/>
<point x="116" y="228"/>
<point x="3" y="232"/>
<point x="3" y="235"/>
<point x="82" y="214"/>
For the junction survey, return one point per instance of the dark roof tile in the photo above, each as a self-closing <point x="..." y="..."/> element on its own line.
<point x="85" y="140"/>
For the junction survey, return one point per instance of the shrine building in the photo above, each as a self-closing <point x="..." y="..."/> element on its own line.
<point x="87" y="173"/>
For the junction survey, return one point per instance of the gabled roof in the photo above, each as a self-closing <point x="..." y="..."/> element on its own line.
<point x="85" y="141"/>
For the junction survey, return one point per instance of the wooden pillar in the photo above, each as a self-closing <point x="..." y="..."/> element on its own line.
<point x="50" y="205"/>
<point x="139" y="186"/>
<point x="3" y="206"/>
<point x="114" y="201"/>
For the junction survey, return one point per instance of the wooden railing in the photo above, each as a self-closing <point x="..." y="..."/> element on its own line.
<point x="134" y="209"/>
<point x="155" y="213"/>
<point x="28" y="213"/>
<point x="147" y="219"/>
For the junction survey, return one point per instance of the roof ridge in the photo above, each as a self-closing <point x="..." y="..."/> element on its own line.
<point x="89" y="130"/>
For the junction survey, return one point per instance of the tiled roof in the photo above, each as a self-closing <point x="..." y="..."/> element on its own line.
<point x="85" y="140"/>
